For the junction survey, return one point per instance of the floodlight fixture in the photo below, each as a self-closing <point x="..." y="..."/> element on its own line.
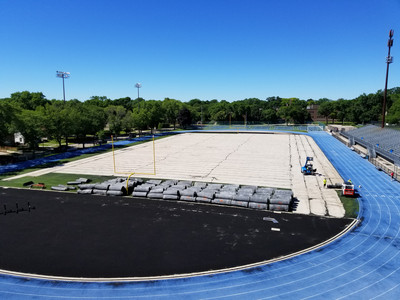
<point x="389" y="60"/>
<point x="63" y="75"/>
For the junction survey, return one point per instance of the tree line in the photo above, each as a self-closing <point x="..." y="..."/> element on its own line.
<point x="35" y="117"/>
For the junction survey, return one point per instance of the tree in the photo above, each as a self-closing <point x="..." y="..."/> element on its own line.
<point x="115" y="114"/>
<point x="31" y="125"/>
<point x="100" y="101"/>
<point x="28" y="100"/>
<point x="366" y="108"/>
<point x="239" y="110"/>
<point x="269" y="115"/>
<point x="58" y="122"/>
<point x="87" y="120"/>
<point x="171" y="109"/>
<point x="140" y="119"/>
<point x="155" y="113"/>
<point x="325" y="109"/>
<point x="125" y="102"/>
<point x="393" y="116"/>
<point x="219" y="111"/>
<point x="127" y="122"/>
<point x="298" y="113"/>
<point x="284" y="113"/>
<point x="342" y="108"/>
<point x="8" y="117"/>
<point x="184" y="117"/>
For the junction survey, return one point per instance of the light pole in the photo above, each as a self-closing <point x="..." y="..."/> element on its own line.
<point x="61" y="74"/>
<point x="138" y="86"/>
<point x="389" y="60"/>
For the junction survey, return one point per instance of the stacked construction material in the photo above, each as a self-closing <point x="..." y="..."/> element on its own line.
<point x="143" y="189"/>
<point x="248" y="196"/>
<point x="63" y="188"/>
<point x="207" y="194"/>
<point x="281" y="200"/>
<point x="112" y="187"/>
<point x="225" y="194"/>
<point x="79" y="181"/>
<point x="70" y="185"/>
<point x="261" y="197"/>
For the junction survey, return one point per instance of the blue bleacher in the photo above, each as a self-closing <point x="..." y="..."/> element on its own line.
<point x="384" y="141"/>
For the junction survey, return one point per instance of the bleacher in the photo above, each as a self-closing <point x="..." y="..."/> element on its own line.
<point x="383" y="141"/>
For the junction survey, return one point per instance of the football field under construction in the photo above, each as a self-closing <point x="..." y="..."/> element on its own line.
<point x="262" y="159"/>
<point x="66" y="245"/>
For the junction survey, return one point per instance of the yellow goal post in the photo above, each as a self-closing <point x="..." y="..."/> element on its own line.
<point x="132" y="173"/>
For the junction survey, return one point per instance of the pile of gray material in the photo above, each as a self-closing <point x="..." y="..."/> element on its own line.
<point x="281" y="200"/>
<point x="206" y="195"/>
<point x="244" y="193"/>
<point x="142" y="190"/>
<point x="78" y="181"/>
<point x="248" y="196"/>
<point x="112" y="187"/>
<point x="190" y="193"/>
<point x="62" y="187"/>
<point x="172" y="192"/>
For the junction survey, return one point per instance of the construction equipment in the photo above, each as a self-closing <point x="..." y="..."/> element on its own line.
<point x="347" y="189"/>
<point x="308" y="169"/>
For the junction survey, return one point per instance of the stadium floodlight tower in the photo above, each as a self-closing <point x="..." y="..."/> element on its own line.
<point x="389" y="60"/>
<point x="138" y="86"/>
<point x="63" y="75"/>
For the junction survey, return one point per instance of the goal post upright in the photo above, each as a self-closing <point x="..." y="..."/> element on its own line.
<point x="131" y="173"/>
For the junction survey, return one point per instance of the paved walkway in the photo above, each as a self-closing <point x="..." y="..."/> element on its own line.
<point x="364" y="264"/>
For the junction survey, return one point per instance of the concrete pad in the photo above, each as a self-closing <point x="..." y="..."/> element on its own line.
<point x="317" y="207"/>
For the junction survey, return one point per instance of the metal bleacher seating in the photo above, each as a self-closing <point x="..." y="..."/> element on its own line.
<point x="384" y="141"/>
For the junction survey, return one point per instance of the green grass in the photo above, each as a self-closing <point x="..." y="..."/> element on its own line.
<point x="350" y="205"/>
<point x="52" y="179"/>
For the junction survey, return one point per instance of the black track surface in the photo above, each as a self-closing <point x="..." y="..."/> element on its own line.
<point x="72" y="235"/>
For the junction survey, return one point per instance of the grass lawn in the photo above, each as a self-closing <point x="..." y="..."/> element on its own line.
<point x="52" y="179"/>
<point x="350" y="205"/>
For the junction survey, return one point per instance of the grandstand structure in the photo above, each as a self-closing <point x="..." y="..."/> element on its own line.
<point x="384" y="142"/>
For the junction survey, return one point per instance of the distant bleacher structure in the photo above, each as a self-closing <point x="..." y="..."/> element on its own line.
<point x="382" y="141"/>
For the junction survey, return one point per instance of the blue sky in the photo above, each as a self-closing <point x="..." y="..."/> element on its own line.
<point x="219" y="49"/>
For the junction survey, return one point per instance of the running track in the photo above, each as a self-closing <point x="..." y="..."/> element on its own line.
<point x="363" y="264"/>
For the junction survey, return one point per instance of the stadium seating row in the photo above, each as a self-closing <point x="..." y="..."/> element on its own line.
<point x="381" y="139"/>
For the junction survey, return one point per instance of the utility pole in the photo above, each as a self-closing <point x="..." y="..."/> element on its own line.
<point x="389" y="60"/>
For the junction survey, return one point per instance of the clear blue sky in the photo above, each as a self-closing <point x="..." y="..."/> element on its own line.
<point x="206" y="49"/>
